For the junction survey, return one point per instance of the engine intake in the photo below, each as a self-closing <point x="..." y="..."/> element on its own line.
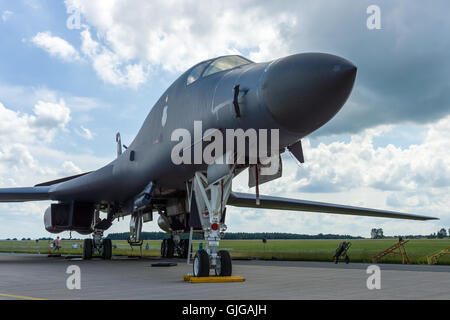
<point x="75" y="216"/>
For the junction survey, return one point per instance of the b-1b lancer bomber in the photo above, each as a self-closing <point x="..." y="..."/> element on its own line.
<point x="219" y="118"/>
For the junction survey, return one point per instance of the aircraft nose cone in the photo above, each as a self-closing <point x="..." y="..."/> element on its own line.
<point x="304" y="91"/>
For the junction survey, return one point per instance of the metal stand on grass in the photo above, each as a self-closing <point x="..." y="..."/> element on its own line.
<point x="398" y="248"/>
<point x="341" y="253"/>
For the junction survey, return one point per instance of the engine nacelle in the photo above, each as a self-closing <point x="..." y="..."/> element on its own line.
<point x="76" y="216"/>
<point x="49" y="223"/>
<point x="164" y="224"/>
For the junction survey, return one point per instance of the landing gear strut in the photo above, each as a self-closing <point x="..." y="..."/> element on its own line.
<point x="211" y="198"/>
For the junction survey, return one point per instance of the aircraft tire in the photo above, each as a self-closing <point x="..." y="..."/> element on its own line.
<point x="201" y="264"/>
<point x="164" y="248"/>
<point x="184" y="248"/>
<point x="170" y="248"/>
<point x="181" y="249"/>
<point x="87" y="249"/>
<point x="225" y="269"/>
<point x="107" y="249"/>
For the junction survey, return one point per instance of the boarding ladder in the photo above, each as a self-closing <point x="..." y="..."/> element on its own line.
<point x="433" y="259"/>
<point x="398" y="248"/>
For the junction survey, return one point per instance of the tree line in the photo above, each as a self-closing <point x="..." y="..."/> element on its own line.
<point x="236" y="236"/>
<point x="441" y="234"/>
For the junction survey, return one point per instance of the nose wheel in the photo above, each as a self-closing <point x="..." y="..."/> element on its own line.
<point x="201" y="266"/>
<point x="224" y="266"/>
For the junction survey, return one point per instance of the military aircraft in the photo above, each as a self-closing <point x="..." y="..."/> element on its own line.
<point x="291" y="96"/>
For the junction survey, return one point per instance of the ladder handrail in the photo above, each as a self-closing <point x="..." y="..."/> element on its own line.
<point x="392" y="248"/>
<point x="435" y="256"/>
<point x="399" y="245"/>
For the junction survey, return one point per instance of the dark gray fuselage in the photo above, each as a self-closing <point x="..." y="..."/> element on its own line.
<point x="295" y="94"/>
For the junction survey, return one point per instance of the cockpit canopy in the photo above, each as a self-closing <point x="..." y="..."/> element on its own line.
<point x="210" y="67"/>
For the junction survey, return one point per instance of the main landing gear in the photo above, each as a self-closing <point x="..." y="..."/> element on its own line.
<point x="98" y="244"/>
<point x="167" y="248"/>
<point x="102" y="246"/>
<point x="173" y="245"/>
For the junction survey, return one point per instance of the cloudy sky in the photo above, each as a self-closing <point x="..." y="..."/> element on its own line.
<point x="75" y="72"/>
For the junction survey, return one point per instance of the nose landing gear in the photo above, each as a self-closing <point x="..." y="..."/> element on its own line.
<point x="223" y="267"/>
<point x="211" y="199"/>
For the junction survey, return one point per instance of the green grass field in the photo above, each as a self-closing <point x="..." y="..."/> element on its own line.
<point x="306" y="250"/>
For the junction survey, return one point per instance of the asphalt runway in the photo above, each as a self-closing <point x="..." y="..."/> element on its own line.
<point x="39" y="277"/>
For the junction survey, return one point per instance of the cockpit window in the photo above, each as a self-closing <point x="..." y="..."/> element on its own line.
<point x="225" y="63"/>
<point x="196" y="72"/>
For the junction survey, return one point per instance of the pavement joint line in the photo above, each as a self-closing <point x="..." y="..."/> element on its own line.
<point x="19" y="297"/>
<point x="213" y="279"/>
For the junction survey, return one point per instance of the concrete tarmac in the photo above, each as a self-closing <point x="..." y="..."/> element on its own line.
<point x="25" y="276"/>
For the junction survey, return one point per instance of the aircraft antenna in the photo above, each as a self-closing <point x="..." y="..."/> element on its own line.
<point x="119" y="144"/>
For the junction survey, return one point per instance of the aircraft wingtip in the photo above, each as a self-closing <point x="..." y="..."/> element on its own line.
<point x="431" y="218"/>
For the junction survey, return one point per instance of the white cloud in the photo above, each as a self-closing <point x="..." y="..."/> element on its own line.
<point x="47" y="119"/>
<point x="14" y="126"/>
<point x="108" y="65"/>
<point x="359" y="163"/>
<point x="27" y="155"/>
<point x="85" y="133"/>
<point x="28" y="158"/>
<point x="69" y="168"/>
<point x="6" y="15"/>
<point x="22" y="97"/>
<point x="17" y="155"/>
<point x="176" y="35"/>
<point x="51" y="115"/>
<point x="55" y="46"/>
<point x="34" y="4"/>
